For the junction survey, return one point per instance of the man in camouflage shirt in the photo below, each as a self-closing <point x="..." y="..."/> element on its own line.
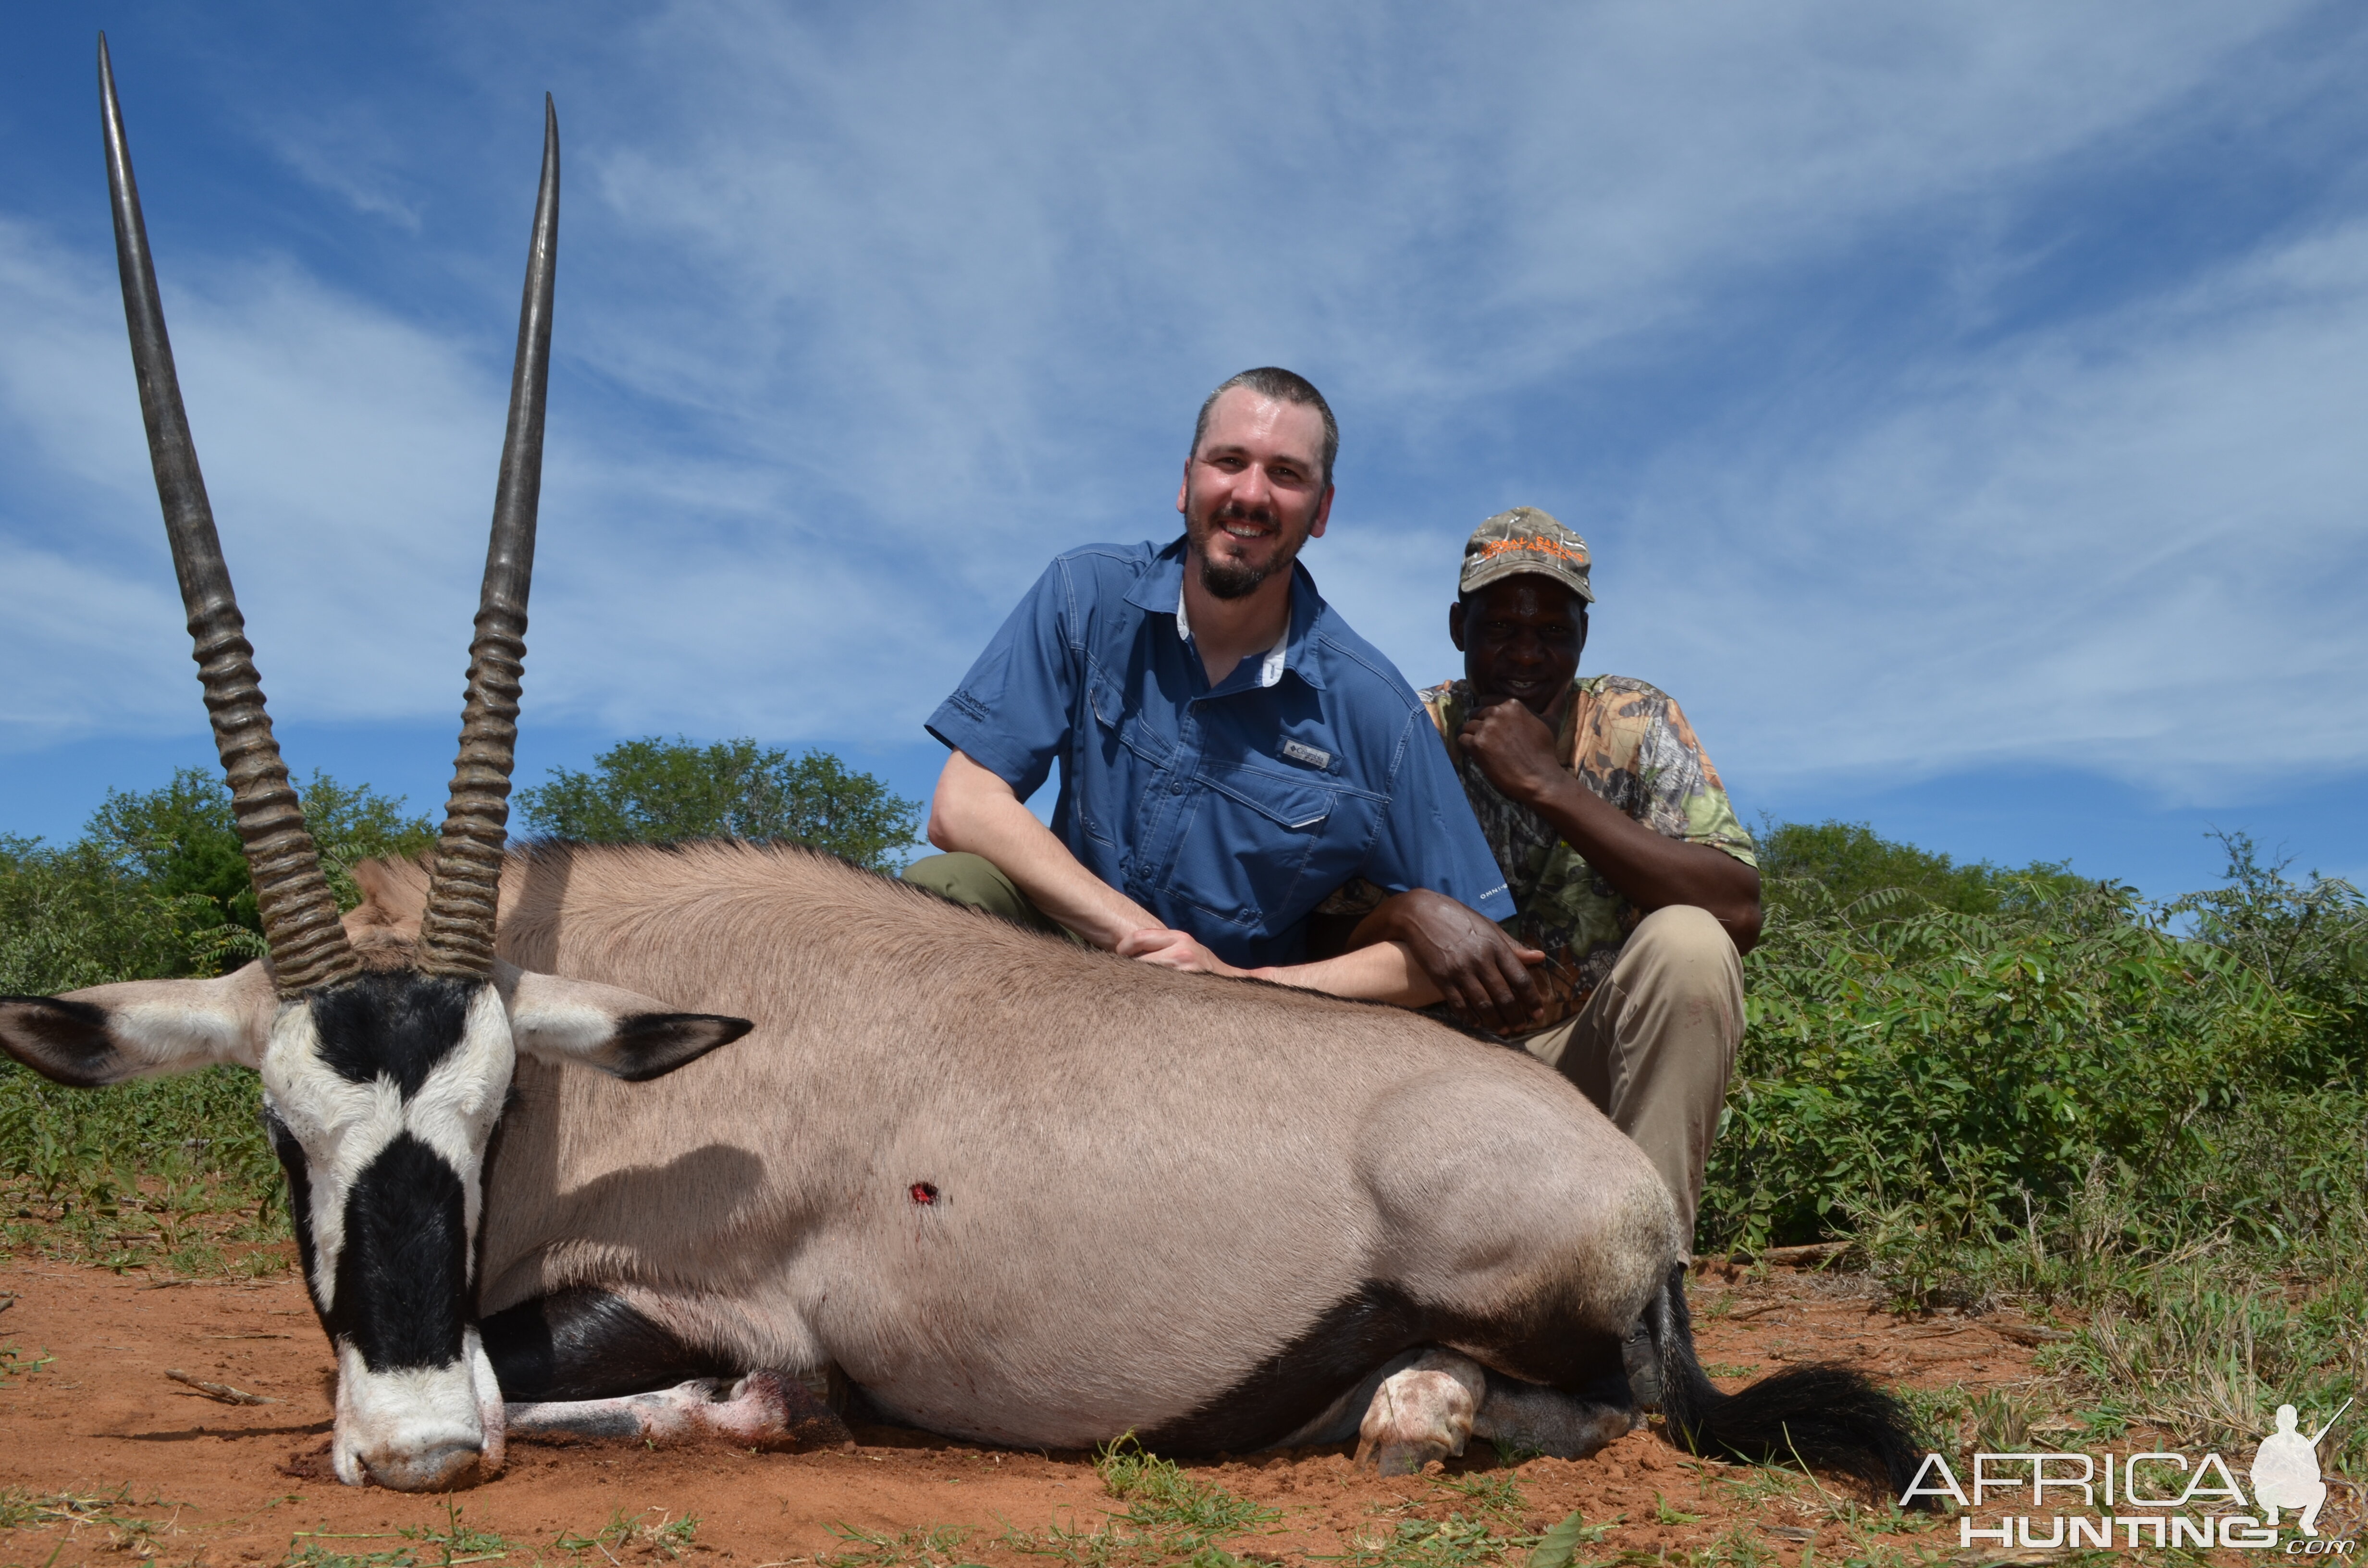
<point x="1637" y="890"/>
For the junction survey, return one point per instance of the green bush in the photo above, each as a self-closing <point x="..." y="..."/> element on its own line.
<point x="1981" y="1070"/>
<point x="660" y="791"/>
<point x="90" y="1147"/>
<point x="75" y="916"/>
<point x="1807" y="868"/>
<point x="157" y="884"/>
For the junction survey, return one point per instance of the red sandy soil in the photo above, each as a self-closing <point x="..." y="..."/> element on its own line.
<point x="228" y="1484"/>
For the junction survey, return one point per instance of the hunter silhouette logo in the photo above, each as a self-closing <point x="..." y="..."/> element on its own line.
<point x="2154" y="1499"/>
<point x="2285" y="1470"/>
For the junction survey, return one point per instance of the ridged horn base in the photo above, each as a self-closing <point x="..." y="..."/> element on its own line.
<point x="300" y="915"/>
<point x="456" y="933"/>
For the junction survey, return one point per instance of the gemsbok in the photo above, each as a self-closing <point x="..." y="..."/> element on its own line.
<point x="958" y="1175"/>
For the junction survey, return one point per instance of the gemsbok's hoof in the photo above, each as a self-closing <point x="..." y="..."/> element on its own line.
<point x="772" y="1410"/>
<point x="1420" y="1414"/>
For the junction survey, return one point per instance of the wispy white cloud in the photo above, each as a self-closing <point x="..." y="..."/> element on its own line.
<point x="356" y="172"/>
<point x="349" y="457"/>
<point x="65" y="379"/>
<point x="1425" y="203"/>
<point x="2129" y="546"/>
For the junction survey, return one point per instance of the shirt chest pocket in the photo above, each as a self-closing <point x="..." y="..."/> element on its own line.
<point x="1246" y="854"/>
<point x="1121" y="754"/>
<point x="1115" y="729"/>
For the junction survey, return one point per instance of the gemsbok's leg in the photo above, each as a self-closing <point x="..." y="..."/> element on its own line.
<point x="1529" y="1419"/>
<point x="586" y="1363"/>
<point x="1432" y="1407"/>
<point x="760" y="1410"/>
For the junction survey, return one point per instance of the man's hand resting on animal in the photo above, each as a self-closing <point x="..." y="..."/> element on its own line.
<point x="1468" y="960"/>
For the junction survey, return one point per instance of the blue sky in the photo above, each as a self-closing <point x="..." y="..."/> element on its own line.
<point x="1962" y="401"/>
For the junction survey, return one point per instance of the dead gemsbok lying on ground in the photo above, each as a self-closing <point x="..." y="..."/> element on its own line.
<point x="982" y="1182"/>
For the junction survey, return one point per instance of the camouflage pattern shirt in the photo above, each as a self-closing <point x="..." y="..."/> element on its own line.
<point x="1631" y="744"/>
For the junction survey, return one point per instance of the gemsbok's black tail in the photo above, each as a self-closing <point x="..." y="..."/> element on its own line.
<point x="1824" y="1415"/>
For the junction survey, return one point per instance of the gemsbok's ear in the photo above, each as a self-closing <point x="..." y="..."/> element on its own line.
<point x="622" y="1033"/>
<point x="141" y="1028"/>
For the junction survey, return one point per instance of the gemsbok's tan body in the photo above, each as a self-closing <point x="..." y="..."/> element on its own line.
<point x="1021" y="1192"/>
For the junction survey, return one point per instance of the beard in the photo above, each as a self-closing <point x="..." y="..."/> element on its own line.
<point x="1234" y="580"/>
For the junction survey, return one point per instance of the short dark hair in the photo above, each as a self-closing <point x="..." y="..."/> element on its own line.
<point x="1283" y="386"/>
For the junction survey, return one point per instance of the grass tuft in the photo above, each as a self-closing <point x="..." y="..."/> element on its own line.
<point x="133" y="1535"/>
<point x="1169" y="1517"/>
<point x="313" y="1554"/>
<point x="665" y="1537"/>
<point x="15" y="1363"/>
<point x="933" y="1546"/>
<point x="458" y="1542"/>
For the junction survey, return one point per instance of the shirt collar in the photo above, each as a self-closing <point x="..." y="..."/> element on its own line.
<point x="1270" y="663"/>
<point x="1161" y="589"/>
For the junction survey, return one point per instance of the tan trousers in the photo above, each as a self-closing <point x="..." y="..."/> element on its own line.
<point x="1655" y="1045"/>
<point x="975" y="880"/>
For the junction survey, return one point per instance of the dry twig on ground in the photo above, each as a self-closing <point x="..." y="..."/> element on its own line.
<point x="221" y="1391"/>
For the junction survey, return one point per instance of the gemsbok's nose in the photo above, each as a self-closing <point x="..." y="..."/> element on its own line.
<point x="445" y="1466"/>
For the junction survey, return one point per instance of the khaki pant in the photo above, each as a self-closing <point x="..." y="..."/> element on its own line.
<point x="977" y="881"/>
<point x="1655" y="1045"/>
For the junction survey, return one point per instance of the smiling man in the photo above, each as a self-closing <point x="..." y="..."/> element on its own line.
<point x="1230" y="751"/>
<point x="1637" y="889"/>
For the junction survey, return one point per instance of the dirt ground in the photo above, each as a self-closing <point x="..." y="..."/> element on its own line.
<point x="103" y="1457"/>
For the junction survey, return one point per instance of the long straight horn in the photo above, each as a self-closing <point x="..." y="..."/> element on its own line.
<point x="456" y="933"/>
<point x="299" y="916"/>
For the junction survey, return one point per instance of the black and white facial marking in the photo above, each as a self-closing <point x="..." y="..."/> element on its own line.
<point x="381" y="1096"/>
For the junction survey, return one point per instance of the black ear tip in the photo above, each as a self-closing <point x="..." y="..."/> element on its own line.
<point x="64" y="1010"/>
<point x="63" y="1041"/>
<point x="650" y="1045"/>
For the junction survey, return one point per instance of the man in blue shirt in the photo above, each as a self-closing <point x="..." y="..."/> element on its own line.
<point x="1230" y="751"/>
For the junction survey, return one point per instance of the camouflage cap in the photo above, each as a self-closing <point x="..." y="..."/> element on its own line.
<point x="1526" y="540"/>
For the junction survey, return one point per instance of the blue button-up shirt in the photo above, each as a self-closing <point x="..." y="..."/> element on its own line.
<point x="1229" y="811"/>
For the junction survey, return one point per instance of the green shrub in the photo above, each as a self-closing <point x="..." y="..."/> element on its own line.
<point x="660" y="791"/>
<point x="1982" y="1070"/>
<point x="181" y="840"/>
<point x="157" y="884"/>
<point x="76" y="916"/>
<point x="93" y="1144"/>
<point x="1810" y="867"/>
